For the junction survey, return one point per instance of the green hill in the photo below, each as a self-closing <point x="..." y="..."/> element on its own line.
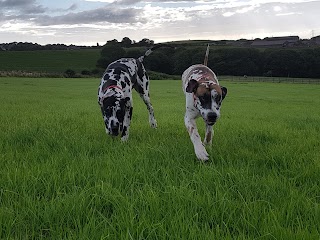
<point x="52" y="61"/>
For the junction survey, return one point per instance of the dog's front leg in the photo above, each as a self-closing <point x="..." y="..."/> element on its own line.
<point x="209" y="134"/>
<point x="104" y="118"/>
<point x="199" y="149"/>
<point x="126" y="123"/>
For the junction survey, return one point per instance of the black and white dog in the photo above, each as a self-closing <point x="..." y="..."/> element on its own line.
<point x="115" y="94"/>
<point x="204" y="96"/>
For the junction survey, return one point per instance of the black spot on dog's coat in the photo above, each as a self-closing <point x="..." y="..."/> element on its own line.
<point x="123" y="85"/>
<point x="124" y="131"/>
<point x="130" y="113"/>
<point x="127" y="81"/>
<point x="139" y="89"/>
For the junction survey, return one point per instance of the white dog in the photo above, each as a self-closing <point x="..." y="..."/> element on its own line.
<point x="204" y="96"/>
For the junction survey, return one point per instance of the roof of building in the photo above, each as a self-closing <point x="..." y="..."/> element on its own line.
<point x="275" y="41"/>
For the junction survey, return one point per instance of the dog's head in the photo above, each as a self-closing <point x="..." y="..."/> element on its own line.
<point x="114" y="107"/>
<point x="208" y="97"/>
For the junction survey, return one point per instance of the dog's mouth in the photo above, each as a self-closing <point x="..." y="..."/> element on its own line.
<point x="210" y="123"/>
<point x="115" y="129"/>
<point x="114" y="133"/>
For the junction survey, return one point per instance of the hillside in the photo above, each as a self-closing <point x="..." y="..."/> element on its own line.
<point x="51" y="61"/>
<point x="225" y="58"/>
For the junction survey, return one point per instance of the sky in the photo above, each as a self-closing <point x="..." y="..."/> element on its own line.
<point x="88" y="22"/>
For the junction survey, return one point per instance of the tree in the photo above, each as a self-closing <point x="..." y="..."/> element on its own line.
<point x="236" y="61"/>
<point x="69" y="73"/>
<point x="285" y="63"/>
<point x="110" y="53"/>
<point x="114" y="41"/>
<point x="182" y="59"/>
<point x="312" y="60"/>
<point x="145" y="42"/>
<point x="159" y="62"/>
<point x="133" y="53"/>
<point x="126" y="42"/>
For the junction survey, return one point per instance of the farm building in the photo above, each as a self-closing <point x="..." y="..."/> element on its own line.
<point x="276" y="41"/>
<point x="316" y="40"/>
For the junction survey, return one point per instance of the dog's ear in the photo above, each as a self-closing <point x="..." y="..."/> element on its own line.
<point x="224" y="92"/>
<point x="192" y="86"/>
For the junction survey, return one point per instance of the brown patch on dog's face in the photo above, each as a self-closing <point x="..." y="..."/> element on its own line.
<point x="206" y="88"/>
<point x="217" y="88"/>
<point x="202" y="90"/>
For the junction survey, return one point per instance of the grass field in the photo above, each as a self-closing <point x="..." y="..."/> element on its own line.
<point x="61" y="177"/>
<point x="49" y="61"/>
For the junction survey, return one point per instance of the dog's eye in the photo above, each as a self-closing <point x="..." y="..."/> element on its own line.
<point x="202" y="98"/>
<point x="205" y="99"/>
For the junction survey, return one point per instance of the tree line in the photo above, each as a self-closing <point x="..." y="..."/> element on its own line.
<point x="235" y="61"/>
<point x="29" y="46"/>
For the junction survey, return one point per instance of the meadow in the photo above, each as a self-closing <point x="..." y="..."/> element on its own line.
<point x="62" y="177"/>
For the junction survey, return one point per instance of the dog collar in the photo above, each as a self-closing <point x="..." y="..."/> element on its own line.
<point x="111" y="86"/>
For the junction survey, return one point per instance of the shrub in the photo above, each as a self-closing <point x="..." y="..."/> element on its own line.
<point x="69" y="73"/>
<point x="86" y="72"/>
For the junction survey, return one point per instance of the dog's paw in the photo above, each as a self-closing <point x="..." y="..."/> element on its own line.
<point x="201" y="152"/>
<point x="153" y="123"/>
<point x="205" y="142"/>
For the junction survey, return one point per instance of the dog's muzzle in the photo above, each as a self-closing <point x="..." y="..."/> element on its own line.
<point x="211" y="118"/>
<point x="115" y="129"/>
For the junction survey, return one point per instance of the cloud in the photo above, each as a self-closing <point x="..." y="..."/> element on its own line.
<point x="160" y="20"/>
<point x="22" y="6"/>
<point x="73" y="7"/>
<point x="29" y="12"/>
<point x="101" y="15"/>
<point x="16" y="3"/>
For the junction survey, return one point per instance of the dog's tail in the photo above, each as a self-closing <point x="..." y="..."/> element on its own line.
<point x="206" y="56"/>
<point x="149" y="51"/>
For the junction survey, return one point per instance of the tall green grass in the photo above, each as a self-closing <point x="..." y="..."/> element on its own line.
<point x="61" y="177"/>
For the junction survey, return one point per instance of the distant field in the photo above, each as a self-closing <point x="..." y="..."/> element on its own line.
<point x="61" y="177"/>
<point x="49" y="61"/>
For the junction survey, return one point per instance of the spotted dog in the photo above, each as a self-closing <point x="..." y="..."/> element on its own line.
<point x="115" y="94"/>
<point x="204" y="96"/>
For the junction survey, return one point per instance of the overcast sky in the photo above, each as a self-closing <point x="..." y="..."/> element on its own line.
<point x="88" y="22"/>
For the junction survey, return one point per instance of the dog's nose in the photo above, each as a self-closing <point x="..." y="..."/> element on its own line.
<point x="212" y="117"/>
<point x="115" y="129"/>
